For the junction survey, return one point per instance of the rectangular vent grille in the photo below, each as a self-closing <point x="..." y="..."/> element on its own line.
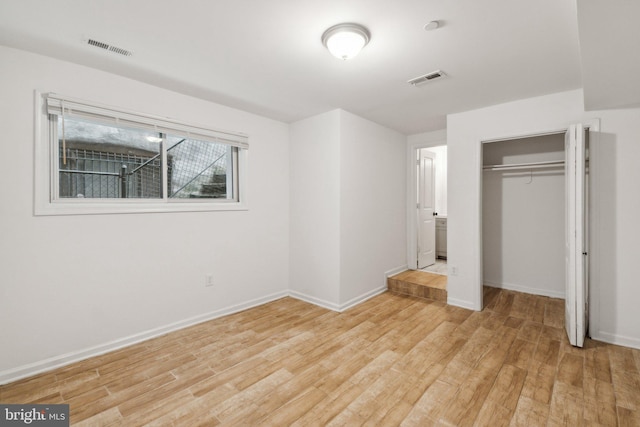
<point x="434" y="75"/>
<point x="110" y="48"/>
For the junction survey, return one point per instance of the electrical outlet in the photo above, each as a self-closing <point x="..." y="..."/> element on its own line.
<point x="454" y="270"/>
<point x="208" y="280"/>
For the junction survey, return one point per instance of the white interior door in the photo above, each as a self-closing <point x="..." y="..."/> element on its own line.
<point x="575" y="236"/>
<point x="426" y="209"/>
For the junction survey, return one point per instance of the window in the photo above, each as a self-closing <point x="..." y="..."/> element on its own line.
<point x="103" y="160"/>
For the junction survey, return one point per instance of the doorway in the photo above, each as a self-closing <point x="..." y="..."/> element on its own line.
<point x="431" y="209"/>
<point x="534" y="206"/>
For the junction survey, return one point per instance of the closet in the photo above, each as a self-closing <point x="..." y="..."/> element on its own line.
<point x="534" y="219"/>
<point x="523" y="219"/>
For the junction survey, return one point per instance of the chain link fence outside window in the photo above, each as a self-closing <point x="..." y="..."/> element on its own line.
<point x="99" y="161"/>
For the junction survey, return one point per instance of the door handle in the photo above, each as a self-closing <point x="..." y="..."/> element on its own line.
<point x="435" y="214"/>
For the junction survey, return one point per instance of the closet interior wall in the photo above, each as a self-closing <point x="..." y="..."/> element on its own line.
<point x="523" y="218"/>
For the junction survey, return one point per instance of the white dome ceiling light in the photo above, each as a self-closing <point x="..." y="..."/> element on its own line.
<point x="345" y="41"/>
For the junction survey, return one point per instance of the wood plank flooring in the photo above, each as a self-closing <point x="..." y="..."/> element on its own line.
<point x="418" y="283"/>
<point x="390" y="361"/>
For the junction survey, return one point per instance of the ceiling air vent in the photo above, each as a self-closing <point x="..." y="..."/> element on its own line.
<point x="434" y="75"/>
<point x="110" y="48"/>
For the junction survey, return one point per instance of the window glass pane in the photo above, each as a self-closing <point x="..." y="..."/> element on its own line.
<point x="100" y="161"/>
<point x="199" y="169"/>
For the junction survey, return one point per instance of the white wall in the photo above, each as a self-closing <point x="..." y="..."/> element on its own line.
<point x="615" y="207"/>
<point x="428" y="139"/>
<point x="315" y="208"/>
<point x="70" y="283"/>
<point x="523" y="217"/>
<point x="372" y="205"/>
<point x="347" y="208"/>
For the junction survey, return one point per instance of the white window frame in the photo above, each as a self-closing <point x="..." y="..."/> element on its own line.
<point x="46" y="200"/>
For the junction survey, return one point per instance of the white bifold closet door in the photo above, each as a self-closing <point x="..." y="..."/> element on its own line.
<point x="575" y="236"/>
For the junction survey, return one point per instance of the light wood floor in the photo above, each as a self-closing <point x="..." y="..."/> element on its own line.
<point x="418" y="283"/>
<point x="392" y="360"/>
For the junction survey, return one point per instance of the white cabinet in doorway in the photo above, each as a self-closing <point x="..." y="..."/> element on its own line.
<point x="441" y="237"/>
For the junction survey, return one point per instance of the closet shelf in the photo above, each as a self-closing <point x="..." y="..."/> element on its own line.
<point x="532" y="165"/>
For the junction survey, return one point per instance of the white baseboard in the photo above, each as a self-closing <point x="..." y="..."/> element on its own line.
<point x="362" y="298"/>
<point x="337" y="307"/>
<point x="525" y="289"/>
<point x="315" y="301"/>
<point x="41" y="366"/>
<point x="394" y="271"/>
<point x="35" y="368"/>
<point x="353" y="301"/>
<point x="615" y="339"/>
<point x="368" y="295"/>
<point x="461" y="303"/>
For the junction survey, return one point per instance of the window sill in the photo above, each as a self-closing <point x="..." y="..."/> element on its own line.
<point x="101" y="207"/>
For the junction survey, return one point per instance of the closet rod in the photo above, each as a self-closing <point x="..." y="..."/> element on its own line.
<point x="533" y="165"/>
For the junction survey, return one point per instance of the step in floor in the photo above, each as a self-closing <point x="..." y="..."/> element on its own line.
<point x="419" y="284"/>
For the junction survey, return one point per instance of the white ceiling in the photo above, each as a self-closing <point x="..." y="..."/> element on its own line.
<point x="266" y="56"/>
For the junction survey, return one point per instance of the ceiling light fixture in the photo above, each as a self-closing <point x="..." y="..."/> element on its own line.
<point x="345" y="41"/>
